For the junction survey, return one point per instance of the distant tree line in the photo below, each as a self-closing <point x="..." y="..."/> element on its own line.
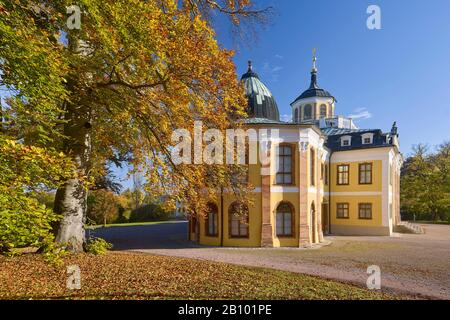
<point x="425" y="184"/>
<point x="107" y="204"/>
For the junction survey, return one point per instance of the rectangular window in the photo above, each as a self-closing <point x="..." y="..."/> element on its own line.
<point x="365" y="173"/>
<point x="343" y="173"/>
<point x="367" y="141"/>
<point x="325" y="175"/>
<point x="312" y="166"/>
<point x="285" y="165"/>
<point x="342" y="211"/>
<point x="365" y="211"/>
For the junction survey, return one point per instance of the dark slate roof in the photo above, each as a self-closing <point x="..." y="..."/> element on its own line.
<point x="334" y="135"/>
<point x="314" y="90"/>
<point x="261" y="103"/>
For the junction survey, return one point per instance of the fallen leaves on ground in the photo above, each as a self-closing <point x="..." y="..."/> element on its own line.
<point x="126" y="275"/>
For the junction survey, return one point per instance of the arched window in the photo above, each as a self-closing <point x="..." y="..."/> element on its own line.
<point x="296" y="115"/>
<point x="238" y="220"/>
<point x="211" y="220"/>
<point x="285" y="164"/>
<point x="285" y="220"/>
<point x="323" y="111"/>
<point x="307" y="113"/>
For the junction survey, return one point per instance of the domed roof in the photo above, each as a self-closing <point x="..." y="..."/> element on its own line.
<point x="261" y="103"/>
<point x="314" y="90"/>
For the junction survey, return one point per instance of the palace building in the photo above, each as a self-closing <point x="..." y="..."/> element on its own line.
<point x="332" y="178"/>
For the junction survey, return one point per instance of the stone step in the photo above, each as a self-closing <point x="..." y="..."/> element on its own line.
<point x="407" y="227"/>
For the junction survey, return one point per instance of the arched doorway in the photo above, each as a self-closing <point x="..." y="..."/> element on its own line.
<point x="313" y="223"/>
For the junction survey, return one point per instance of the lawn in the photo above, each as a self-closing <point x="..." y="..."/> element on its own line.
<point x="126" y="275"/>
<point x="132" y="224"/>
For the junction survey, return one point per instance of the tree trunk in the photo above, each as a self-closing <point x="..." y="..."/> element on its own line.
<point x="71" y="198"/>
<point x="434" y="215"/>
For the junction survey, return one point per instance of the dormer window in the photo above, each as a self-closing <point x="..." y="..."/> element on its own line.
<point x="346" y="141"/>
<point x="367" y="138"/>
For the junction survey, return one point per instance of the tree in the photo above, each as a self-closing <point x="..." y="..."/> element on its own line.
<point x="117" y="88"/>
<point x="426" y="182"/>
<point x="103" y="206"/>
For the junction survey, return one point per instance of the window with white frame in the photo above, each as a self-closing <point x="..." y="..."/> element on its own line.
<point x="367" y="138"/>
<point x="346" y="141"/>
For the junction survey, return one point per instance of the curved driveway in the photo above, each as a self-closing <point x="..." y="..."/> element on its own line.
<point x="413" y="264"/>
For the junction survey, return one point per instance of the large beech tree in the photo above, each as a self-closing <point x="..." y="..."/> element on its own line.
<point x="115" y="89"/>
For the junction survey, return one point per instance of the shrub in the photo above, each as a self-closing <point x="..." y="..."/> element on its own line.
<point x="24" y="222"/>
<point x="149" y="212"/>
<point x="98" y="246"/>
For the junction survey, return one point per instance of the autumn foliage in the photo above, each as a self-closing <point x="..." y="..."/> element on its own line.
<point x="113" y="91"/>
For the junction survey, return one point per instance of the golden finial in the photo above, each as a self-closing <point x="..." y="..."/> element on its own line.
<point x="314" y="51"/>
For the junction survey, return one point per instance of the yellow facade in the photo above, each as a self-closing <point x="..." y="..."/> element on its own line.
<point x="320" y="196"/>
<point x="302" y="207"/>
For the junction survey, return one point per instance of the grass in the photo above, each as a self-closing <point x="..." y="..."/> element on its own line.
<point x="126" y="275"/>
<point x="131" y="224"/>
<point x="431" y="222"/>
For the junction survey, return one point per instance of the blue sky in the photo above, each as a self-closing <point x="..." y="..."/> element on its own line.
<point x="399" y="73"/>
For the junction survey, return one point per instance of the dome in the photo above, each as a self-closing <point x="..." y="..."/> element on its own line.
<point x="261" y="103"/>
<point x="314" y="90"/>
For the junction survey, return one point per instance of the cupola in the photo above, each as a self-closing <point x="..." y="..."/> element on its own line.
<point x="261" y="103"/>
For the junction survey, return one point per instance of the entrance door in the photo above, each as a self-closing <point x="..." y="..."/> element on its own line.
<point x="325" y="218"/>
<point x="313" y="223"/>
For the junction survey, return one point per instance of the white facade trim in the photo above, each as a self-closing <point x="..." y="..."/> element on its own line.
<point x="284" y="189"/>
<point x="359" y="155"/>
<point x="312" y="100"/>
<point x="356" y="193"/>
<point x="312" y="190"/>
<point x="278" y="189"/>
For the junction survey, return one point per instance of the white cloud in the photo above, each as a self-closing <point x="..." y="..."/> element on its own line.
<point x="272" y="71"/>
<point x="360" y="114"/>
<point x="279" y="56"/>
<point x="277" y="68"/>
<point x="286" y="117"/>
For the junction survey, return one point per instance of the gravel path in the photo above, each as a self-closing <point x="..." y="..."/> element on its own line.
<point x="413" y="264"/>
